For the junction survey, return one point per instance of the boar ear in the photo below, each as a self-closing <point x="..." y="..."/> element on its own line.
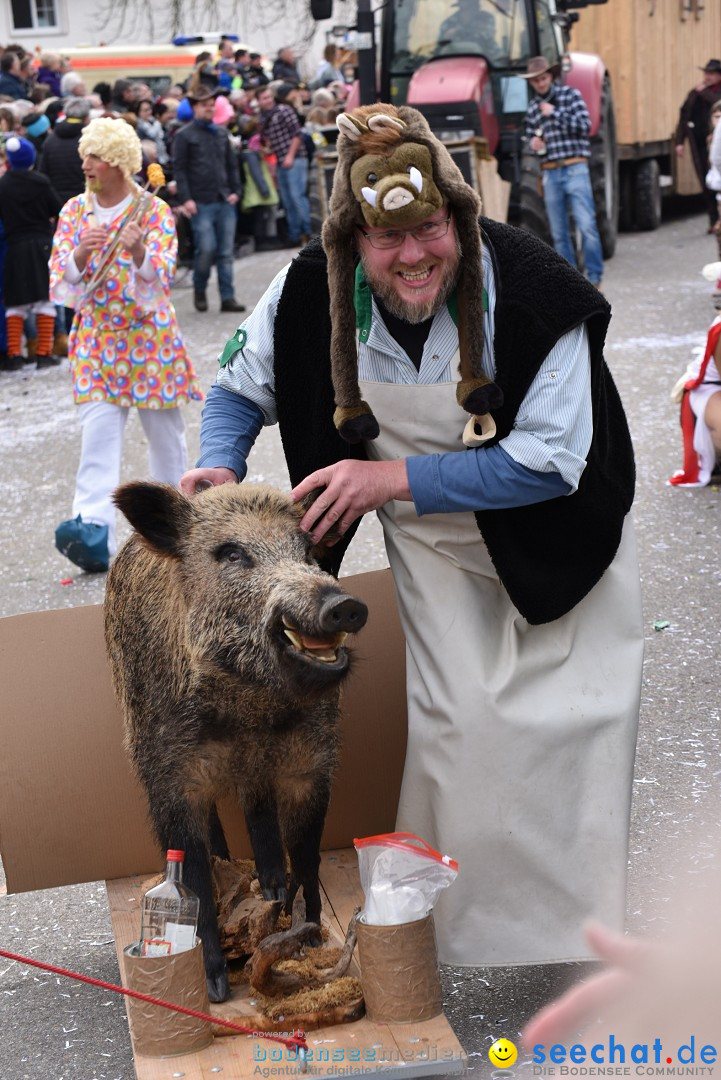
<point x="158" y="512"/>
<point x="331" y="537"/>
<point x="307" y="501"/>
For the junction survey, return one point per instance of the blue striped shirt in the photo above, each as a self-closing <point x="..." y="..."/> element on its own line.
<point x="565" y="131"/>
<point x="551" y="434"/>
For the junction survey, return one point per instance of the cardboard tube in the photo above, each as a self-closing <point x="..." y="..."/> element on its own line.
<point x="179" y="979"/>
<point x="399" y="971"/>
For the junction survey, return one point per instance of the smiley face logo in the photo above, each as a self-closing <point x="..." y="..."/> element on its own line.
<point x="503" y="1053"/>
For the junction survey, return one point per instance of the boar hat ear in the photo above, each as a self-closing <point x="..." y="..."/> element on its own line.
<point x="159" y="513"/>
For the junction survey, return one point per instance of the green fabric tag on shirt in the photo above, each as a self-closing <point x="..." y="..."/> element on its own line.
<point x="236" y="344"/>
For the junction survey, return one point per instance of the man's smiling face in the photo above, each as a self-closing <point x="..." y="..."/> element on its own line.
<point x="413" y="280"/>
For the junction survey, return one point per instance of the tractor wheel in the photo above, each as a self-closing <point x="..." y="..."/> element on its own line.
<point x="532" y="209"/>
<point x="604" y="173"/>
<point x="648" y="195"/>
<point x="626" y="212"/>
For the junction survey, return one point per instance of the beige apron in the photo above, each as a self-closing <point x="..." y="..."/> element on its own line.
<point x="520" y="738"/>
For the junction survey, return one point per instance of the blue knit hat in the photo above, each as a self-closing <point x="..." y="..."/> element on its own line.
<point x="20" y="152"/>
<point x="36" y="124"/>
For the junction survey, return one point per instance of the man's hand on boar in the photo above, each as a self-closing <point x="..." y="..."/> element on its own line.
<point x="351" y="489"/>
<point x="198" y="479"/>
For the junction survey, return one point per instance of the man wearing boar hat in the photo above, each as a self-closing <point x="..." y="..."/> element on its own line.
<point x="448" y="373"/>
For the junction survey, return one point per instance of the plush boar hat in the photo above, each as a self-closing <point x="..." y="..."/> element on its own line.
<point x="392" y="173"/>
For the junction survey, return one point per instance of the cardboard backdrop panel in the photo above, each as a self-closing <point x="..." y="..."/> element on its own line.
<point x="70" y="809"/>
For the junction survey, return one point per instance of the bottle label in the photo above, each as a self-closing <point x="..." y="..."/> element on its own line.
<point x="178" y="938"/>
<point x="180" y="935"/>
<point x="155" y="947"/>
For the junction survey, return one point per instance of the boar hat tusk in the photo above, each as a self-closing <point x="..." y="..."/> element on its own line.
<point x="416" y="178"/>
<point x="369" y="195"/>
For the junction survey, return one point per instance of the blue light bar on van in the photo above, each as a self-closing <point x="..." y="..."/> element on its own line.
<point x="202" y="39"/>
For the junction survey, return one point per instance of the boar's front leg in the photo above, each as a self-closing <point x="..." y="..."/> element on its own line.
<point x="261" y="817"/>
<point x="303" y="828"/>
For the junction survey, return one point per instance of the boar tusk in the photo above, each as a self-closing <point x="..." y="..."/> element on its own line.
<point x="369" y="195"/>
<point x="294" y="637"/>
<point x="416" y="178"/>
<point x="324" y="650"/>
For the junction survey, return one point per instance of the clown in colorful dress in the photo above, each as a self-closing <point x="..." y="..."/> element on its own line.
<point x="113" y="261"/>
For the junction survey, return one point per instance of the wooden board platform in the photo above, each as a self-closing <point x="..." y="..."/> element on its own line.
<point x="355" y="1049"/>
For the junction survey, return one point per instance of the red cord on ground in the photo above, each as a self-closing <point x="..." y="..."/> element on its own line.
<point x="295" y="1042"/>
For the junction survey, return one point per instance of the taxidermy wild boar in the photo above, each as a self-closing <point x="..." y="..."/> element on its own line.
<point x="226" y="643"/>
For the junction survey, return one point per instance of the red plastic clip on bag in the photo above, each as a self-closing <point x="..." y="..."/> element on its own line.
<point x="402" y="877"/>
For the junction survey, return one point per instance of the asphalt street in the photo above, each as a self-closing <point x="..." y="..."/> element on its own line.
<point x="55" y="1029"/>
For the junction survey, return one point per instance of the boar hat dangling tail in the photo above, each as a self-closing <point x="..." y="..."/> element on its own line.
<point x="392" y="173"/>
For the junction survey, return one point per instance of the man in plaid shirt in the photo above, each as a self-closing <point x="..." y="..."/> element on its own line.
<point x="557" y="127"/>
<point x="280" y="128"/>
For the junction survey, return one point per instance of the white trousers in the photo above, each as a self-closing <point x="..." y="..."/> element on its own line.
<point x="101" y="451"/>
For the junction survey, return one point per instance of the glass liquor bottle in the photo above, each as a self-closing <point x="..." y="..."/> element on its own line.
<point x="170" y="913"/>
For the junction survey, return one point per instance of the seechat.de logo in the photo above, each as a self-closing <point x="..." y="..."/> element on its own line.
<point x="611" y="1052"/>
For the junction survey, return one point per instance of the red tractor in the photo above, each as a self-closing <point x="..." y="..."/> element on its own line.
<point x="459" y="63"/>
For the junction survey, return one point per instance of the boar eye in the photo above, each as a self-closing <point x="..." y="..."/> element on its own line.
<point x="372" y="177"/>
<point x="233" y="553"/>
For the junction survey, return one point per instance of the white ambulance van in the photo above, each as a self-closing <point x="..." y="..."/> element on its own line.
<point x="160" y="66"/>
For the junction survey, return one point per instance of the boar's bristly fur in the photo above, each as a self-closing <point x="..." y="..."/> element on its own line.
<point x="226" y="648"/>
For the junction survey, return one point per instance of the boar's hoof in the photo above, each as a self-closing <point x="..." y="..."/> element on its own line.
<point x="218" y="987"/>
<point x="274" y="892"/>
<point x="315" y="940"/>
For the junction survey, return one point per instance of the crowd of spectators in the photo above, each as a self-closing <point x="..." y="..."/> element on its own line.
<point x="47" y="104"/>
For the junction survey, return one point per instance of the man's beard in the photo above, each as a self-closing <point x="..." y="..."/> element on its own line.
<point x="410" y="312"/>
<point x="93" y="185"/>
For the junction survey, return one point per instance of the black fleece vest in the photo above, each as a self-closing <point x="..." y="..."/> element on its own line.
<point x="548" y="556"/>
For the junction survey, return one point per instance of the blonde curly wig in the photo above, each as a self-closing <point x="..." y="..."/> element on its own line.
<point x="112" y="141"/>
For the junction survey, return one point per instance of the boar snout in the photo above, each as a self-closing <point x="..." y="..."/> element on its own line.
<point x="342" y="614"/>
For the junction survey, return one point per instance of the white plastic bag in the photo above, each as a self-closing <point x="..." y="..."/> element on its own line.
<point x="402" y="877"/>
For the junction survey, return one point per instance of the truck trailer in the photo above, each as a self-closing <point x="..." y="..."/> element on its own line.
<point x="654" y="52"/>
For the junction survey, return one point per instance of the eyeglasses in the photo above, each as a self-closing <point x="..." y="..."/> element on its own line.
<point x="431" y="230"/>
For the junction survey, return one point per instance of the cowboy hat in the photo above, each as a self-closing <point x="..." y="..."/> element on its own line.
<point x="203" y="93"/>
<point x="538" y="65"/>
<point x="712" y="65"/>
